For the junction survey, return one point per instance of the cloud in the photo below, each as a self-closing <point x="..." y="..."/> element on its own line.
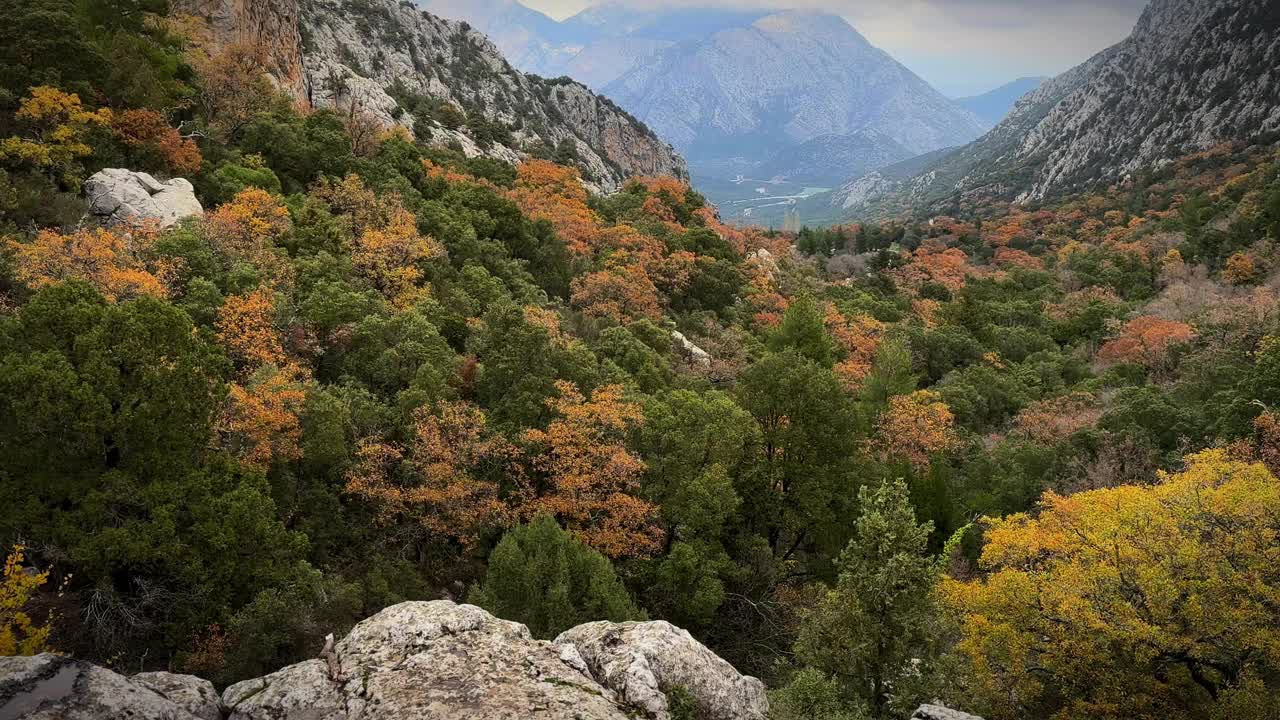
<point x="961" y="46"/>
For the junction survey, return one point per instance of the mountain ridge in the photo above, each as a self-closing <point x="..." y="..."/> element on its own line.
<point x="1194" y="73"/>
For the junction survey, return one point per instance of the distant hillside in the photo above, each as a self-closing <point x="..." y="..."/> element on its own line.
<point x="992" y="107"/>
<point x="1194" y="74"/>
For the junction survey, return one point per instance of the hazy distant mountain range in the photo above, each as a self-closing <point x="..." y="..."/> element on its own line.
<point x="992" y="107"/>
<point x="770" y="96"/>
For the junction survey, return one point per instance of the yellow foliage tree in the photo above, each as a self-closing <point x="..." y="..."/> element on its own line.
<point x="20" y="634"/>
<point x="388" y="258"/>
<point x="57" y="128"/>
<point x="1133" y="602"/>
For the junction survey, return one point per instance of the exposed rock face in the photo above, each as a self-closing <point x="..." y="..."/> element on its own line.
<point x="118" y="196"/>
<point x="271" y="25"/>
<point x="51" y="687"/>
<point x="694" y="354"/>
<point x="193" y="694"/>
<point x="938" y="712"/>
<point x="428" y="661"/>
<point x="644" y="661"/>
<point x="415" y="661"/>
<point x="354" y="55"/>
<point x="1194" y="73"/>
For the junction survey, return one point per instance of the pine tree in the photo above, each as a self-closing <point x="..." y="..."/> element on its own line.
<point x="543" y="577"/>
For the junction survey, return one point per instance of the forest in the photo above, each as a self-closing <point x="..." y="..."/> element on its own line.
<point x="1023" y="461"/>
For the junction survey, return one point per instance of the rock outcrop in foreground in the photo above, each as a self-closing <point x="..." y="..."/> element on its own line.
<point x="118" y="196"/>
<point x="420" y="661"/>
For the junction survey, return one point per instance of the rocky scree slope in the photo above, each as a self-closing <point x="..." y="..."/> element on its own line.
<point x="1193" y="74"/>
<point x="438" y="78"/>
<point x="420" y="661"/>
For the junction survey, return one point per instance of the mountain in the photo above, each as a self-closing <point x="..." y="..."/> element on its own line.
<point x="441" y="79"/>
<point x="1192" y="75"/>
<point x="830" y="159"/>
<point x="596" y="46"/>
<point x="734" y="99"/>
<point x="993" y="106"/>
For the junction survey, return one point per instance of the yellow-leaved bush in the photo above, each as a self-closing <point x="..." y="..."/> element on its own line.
<point x="1158" y="601"/>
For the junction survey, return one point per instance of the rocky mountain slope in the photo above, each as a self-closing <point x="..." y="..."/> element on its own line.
<point x="993" y="106"/>
<point x="735" y="98"/>
<point x="439" y="78"/>
<point x="417" y="661"/>
<point x="1194" y="74"/>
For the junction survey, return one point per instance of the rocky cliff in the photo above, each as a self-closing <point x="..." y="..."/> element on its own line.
<point x="417" y="661"/>
<point x="438" y="78"/>
<point x="1194" y="73"/>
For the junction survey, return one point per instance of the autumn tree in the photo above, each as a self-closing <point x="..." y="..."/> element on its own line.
<point x="448" y="478"/>
<point x="1146" y="341"/>
<point x="260" y="423"/>
<point x="622" y="293"/>
<point x="146" y="132"/>
<point x="554" y="193"/>
<point x="247" y="230"/>
<point x="233" y="86"/>
<point x="20" y="633"/>
<point x="915" y="428"/>
<point x="58" y="128"/>
<point x="116" y="264"/>
<point x="388" y="257"/>
<point x="247" y="328"/>
<point x="590" y="475"/>
<point x="1130" y="602"/>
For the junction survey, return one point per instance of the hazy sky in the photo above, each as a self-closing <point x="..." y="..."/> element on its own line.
<point x="961" y="46"/>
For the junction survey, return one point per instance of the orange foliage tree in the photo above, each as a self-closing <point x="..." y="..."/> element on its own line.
<point x="147" y="130"/>
<point x="1146" y="341"/>
<point x="112" y="262"/>
<point x="914" y="428"/>
<point x="1051" y="421"/>
<point x="388" y="258"/>
<point x="247" y="228"/>
<point x="591" y="475"/>
<point x="546" y="191"/>
<point x="441" y="480"/>
<point x="247" y="328"/>
<point x="260" y="424"/>
<point x="623" y="293"/>
<point x="858" y="338"/>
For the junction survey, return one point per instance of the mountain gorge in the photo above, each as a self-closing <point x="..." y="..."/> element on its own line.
<point x="1194" y="73"/>
<point x="766" y="105"/>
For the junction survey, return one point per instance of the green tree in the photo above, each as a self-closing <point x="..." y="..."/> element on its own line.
<point x="869" y="631"/>
<point x="543" y="577"/>
<point x="803" y="330"/>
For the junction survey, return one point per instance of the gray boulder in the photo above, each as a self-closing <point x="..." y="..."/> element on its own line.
<point x="690" y="352"/>
<point x="645" y="661"/>
<point x="430" y="661"/>
<point x="195" y="695"/>
<point x="52" y="687"/>
<point x="118" y="196"/>
<point x="940" y="712"/>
